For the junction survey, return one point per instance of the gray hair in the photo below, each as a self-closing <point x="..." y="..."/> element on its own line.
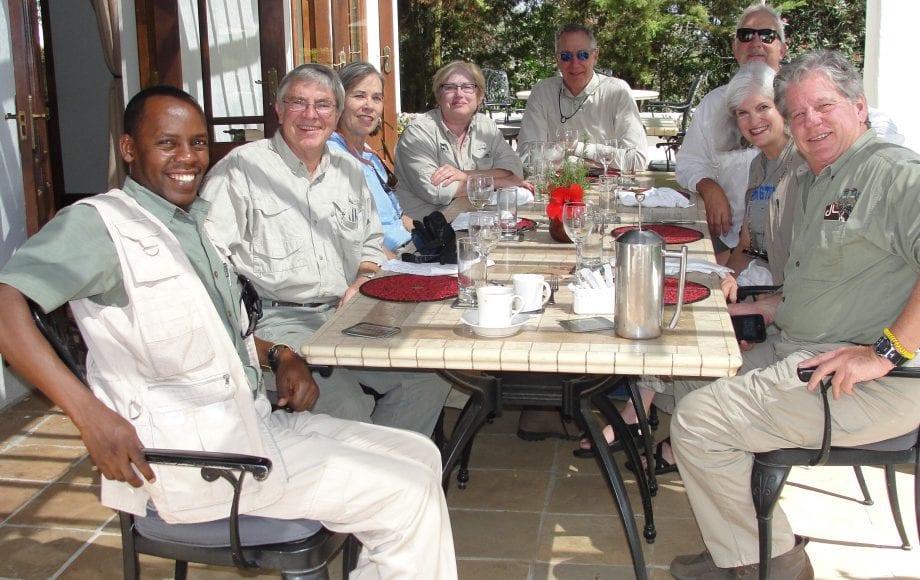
<point x="316" y="73"/>
<point x="573" y="28"/>
<point x="769" y="11"/>
<point x="754" y="78"/>
<point x="830" y="63"/>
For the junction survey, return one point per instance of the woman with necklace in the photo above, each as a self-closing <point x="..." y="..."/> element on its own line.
<point x="360" y="119"/>
<point x="441" y="148"/>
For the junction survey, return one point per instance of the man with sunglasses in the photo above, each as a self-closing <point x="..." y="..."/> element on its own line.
<point x="298" y="219"/>
<point x="159" y="307"/>
<point x="598" y="106"/>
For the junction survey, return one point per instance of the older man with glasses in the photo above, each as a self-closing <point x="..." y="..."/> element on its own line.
<point x="298" y="219"/>
<point x="599" y="107"/>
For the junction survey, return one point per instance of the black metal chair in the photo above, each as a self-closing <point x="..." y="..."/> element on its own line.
<point x="672" y="143"/>
<point x="498" y="96"/>
<point x="772" y="468"/>
<point x="300" y="549"/>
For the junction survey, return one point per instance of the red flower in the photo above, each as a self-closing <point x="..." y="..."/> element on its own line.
<point x="561" y="196"/>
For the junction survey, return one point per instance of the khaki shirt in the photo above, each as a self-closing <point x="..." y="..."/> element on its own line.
<point x="427" y="144"/>
<point x="605" y="109"/>
<point x="299" y="237"/>
<point x="847" y="280"/>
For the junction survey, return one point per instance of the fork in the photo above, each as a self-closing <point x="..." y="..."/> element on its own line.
<point x="553" y="286"/>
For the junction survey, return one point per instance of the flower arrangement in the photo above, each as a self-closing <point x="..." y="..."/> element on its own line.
<point x="561" y="195"/>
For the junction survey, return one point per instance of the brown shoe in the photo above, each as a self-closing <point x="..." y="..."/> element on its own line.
<point x="538" y="424"/>
<point x="793" y="565"/>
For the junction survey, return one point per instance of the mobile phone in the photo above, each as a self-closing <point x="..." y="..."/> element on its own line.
<point x="592" y="324"/>
<point x="371" y="330"/>
<point x="749" y="327"/>
<point x="805" y="373"/>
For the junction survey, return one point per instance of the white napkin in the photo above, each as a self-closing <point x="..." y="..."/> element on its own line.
<point x="430" y="269"/>
<point x="755" y="275"/>
<point x="655" y="197"/>
<point x="461" y="222"/>
<point x="672" y="267"/>
<point x="524" y="196"/>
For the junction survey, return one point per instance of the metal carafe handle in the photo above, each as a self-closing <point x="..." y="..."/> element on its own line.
<point x="681" y="282"/>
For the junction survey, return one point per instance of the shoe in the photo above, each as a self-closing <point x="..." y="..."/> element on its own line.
<point x="662" y="465"/>
<point x="616" y="445"/>
<point x="793" y="565"/>
<point x="539" y="424"/>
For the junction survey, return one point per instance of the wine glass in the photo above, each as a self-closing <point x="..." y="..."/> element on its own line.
<point x="569" y="139"/>
<point x="553" y="153"/>
<point x="577" y="221"/>
<point x="628" y="157"/>
<point x="479" y="190"/>
<point x="606" y="150"/>
<point x="486" y="230"/>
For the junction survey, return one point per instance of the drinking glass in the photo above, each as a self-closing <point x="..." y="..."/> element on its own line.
<point x="628" y="157"/>
<point x="577" y="221"/>
<point x="479" y="190"/>
<point x="568" y="138"/>
<point x="470" y="271"/>
<point x="554" y="153"/>
<point x="536" y="174"/>
<point x="606" y="151"/>
<point x="608" y="198"/>
<point x="486" y="231"/>
<point x="506" y="202"/>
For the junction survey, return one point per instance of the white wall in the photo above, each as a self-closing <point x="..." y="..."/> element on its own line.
<point x="891" y="83"/>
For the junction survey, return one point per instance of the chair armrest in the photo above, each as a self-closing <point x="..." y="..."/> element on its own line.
<point x="258" y="467"/>
<point x="748" y="291"/>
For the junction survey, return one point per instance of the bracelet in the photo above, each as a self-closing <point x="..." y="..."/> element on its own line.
<point x="909" y="355"/>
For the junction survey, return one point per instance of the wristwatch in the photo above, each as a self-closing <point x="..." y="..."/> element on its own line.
<point x="885" y="349"/>
<point x="274" y="357"/>
<point x="368" y="275"/>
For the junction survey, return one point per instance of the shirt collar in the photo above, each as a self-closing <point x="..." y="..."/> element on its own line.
<point x="161" y="209"/>
<point x="293" y="162"/>
<point x="863" y="141"/>
<point x="586" y="92"/>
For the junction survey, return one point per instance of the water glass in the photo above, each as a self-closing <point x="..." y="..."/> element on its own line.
<point x="479" y="189"/>
<point x="606" y="153"/>
<point x="506" y="201"/>
<point x="470" y="270"/>
<point x="576" y="221"/>
<point x="592" y="252"/>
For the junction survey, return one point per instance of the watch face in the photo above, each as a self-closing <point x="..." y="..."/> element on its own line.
<point x="885" y="349"/>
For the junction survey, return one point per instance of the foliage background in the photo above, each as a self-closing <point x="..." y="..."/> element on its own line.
<point x="657" y="44"/>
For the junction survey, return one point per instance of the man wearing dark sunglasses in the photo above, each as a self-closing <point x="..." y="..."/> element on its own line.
<point x="720" y="177"/>
<point x="599" y="107"/>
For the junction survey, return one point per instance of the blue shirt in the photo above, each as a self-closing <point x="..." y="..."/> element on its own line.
<point x="395" y="234"/>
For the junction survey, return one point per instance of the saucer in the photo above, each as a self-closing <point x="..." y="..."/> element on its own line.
<point x="471" y="319"/>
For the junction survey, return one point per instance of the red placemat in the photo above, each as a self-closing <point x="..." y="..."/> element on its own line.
<point x="410" y="288"/>
<point x="693" y="291"/>
<point x="671" y="234"/>
<point x="525" y="224"/>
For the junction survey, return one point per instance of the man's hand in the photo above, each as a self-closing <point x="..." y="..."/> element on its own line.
<point x="718" y="210"/>
<point x="849" y="365"/>
<point x="447" y="174"/>
<point x="352" y="290"/>
<point x="729" y="286"/>
<point x="765" y="308"/>
<point x="296" y="387"/>
<point x="114" y="446"/>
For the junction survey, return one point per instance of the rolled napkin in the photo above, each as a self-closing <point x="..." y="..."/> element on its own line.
<point x="655" y="197"/>
<point x="524" y="196"/>
<point x="430" y="269"/>
<point x="461" y="222"/>
<point x="672" y="267"/>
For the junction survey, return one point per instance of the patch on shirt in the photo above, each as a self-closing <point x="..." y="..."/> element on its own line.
<point x="841" y="209"/>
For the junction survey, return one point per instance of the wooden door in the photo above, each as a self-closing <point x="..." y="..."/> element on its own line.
<point x="34" y="103"/>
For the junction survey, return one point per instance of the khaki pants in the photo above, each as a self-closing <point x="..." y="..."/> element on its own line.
<point x="716" y="430"/>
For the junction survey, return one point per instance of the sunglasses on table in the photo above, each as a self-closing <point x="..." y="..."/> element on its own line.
<point x="567" y="55"/>
<point x="767" y="35"/>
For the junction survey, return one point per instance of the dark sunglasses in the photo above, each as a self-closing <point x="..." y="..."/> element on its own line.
<point x="767" y="35"/>
<point x="566" y="55"/>
<point x="249" y="296"/>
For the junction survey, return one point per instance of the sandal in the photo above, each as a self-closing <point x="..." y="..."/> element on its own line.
<point x="616" y="445"/>
<point x="662" y="466"/>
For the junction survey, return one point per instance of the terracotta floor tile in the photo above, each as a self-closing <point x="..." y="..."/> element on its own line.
<point x="584" y="539"/>
<point x="511" y="452"/>
<point x="567" y="571"/>
<point x="65" y="506"/>
<point x="493" y="569"/>
<point x="38" y="462"/>
<point x="83" y="472"/>
<point x="13" y="494"/>
<point x="495" y="535"/>
<point x="510" y="490"/>
<point x="37" y="553"/>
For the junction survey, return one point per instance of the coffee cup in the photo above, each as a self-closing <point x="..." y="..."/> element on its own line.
<point x="497" y="306"/>
<point x="533" y="289"/>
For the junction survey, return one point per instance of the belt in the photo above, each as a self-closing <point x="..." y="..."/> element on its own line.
<point x="282" y="303"/>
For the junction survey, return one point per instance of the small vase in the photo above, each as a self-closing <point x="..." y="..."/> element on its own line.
<point x="557" y="231"/>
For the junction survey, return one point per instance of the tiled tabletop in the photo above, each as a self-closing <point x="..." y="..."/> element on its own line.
<point x="433" y="336"/>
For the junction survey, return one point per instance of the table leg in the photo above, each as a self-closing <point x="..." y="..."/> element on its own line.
<point x="483" y="402"/>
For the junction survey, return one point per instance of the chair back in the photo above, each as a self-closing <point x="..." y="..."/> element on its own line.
<point x="60" y="330"/>
<point x="497" y="89"/>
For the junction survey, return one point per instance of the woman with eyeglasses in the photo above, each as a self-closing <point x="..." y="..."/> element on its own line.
<point x="440" y="149"/>
<point x="360" y="119"/>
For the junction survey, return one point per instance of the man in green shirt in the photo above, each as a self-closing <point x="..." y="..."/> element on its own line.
<point x="851" y="308"/>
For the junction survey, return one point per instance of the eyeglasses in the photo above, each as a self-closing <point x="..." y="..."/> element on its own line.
<point x="465" y="88"/>
<point x="297" y="106"/>
<point x="566" y="55"/>
<point x="767" y="35"/>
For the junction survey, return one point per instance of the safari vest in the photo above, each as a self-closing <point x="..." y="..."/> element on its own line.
<point x="165" y="363"/>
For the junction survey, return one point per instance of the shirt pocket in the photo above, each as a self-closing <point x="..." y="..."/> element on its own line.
<point x="278" y="244"/>
<point x="175" y="340"/>
<point x="825" y="260"/>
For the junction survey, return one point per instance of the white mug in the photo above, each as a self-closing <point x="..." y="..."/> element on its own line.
<point x="533" y="289"/>
<point x="496" y="306"/>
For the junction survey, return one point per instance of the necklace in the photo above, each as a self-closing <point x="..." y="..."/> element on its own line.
<point x="562" y="117"/>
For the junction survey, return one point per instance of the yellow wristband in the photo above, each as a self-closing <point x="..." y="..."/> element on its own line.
<point x="909" y="355"/>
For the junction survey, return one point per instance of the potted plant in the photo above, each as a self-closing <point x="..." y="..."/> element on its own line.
<point x="568" y="184"/>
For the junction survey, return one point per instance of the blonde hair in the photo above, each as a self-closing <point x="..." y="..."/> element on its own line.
<point x="469" y="69"/>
